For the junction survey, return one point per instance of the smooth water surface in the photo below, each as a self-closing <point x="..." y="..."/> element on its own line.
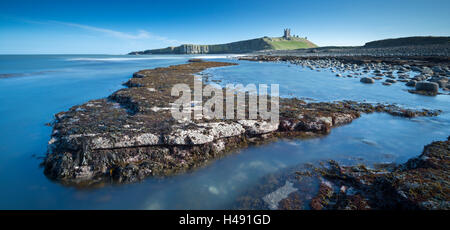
<point x="35" y="87"/>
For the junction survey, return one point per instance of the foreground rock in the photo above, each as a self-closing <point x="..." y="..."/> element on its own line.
<point x="422" y="183"/>
<point x="367" y="80"/>
<point x="426" y="88"/>
<point x="131" y="134"/>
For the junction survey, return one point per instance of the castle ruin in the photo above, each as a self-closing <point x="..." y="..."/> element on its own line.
<point x="287" y="33"/>
<point x="288" y="36"/>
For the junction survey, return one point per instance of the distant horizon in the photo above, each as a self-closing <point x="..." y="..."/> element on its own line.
<point x="120" y="27"/>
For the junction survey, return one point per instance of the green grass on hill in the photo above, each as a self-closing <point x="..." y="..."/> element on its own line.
<point x="247" y="46"/>
<point x="293" y="43"/>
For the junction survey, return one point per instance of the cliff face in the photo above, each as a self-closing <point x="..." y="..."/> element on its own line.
<point x="234" y="47"/>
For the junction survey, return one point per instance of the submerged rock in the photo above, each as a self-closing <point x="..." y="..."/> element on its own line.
<point x="272" y="199"/>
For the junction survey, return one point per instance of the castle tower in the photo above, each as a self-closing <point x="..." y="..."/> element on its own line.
<point x="287" y="33"/>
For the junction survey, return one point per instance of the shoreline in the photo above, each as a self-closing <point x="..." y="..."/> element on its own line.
<point x="440" y="50"/>
<point x="131" y="135"/>
<point x="431" y="79"/>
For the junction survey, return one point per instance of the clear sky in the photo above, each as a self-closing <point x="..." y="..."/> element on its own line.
<point x="117" y="27"/>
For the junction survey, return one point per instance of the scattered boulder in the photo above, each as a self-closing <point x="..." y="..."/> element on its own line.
<point x="391" y="81"/>
<point x="411" y="83"/>
<point x="367" y="80"/>
<point x="390" y="76"/>
<point x="437" y="69"/>
<point x="403" y="76"/>
<point x="441" y="81"/>
<point x="420" y="77"/>
<point x="427" y="86"/>
<point x="426" y="70"/>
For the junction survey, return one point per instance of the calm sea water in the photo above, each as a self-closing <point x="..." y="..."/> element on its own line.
<point x="34" y="87"/>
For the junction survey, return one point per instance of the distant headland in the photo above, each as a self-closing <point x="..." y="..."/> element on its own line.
<point x="294" y="44"/>
<point x="286" y="42"/>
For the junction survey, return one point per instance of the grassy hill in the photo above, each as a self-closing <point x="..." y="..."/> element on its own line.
<point x="246" y="46"/>
<point x="289" y="44"/>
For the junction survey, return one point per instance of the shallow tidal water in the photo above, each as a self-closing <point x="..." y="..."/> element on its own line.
<point x="35" y="87"/>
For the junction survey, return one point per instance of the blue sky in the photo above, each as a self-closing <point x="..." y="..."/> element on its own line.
<point x="117" y="27"/>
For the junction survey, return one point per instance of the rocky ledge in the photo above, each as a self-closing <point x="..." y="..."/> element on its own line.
<point x="131" y="134"/>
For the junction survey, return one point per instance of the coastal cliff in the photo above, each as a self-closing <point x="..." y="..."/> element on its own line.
<point x="246" y="46"/>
